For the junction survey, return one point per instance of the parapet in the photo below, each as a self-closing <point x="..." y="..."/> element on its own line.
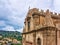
<point x="55" y="13"/>
<point x="33" y="10"/>
<point x="42" y="13"/>
<point x="59" y="14"/>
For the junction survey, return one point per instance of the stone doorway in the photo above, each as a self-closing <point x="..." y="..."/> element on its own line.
<point x="38" y="41"/>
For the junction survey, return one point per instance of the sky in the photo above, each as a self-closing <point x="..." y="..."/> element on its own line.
<point x="13" y="12"/>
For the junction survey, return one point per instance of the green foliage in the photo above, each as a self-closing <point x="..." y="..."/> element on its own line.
<point x="11" y="34"/>
<point x="16" y="44"/>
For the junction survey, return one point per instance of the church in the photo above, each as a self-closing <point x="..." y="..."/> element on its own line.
<point x="41" y="28"/>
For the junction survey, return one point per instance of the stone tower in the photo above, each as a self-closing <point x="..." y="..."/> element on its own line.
<point x="41" y="28"/>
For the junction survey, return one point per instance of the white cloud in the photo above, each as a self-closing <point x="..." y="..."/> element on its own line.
<point x="20" y="30"/>
<point x="8" y="28"/>
<point x="15" y="20"/>
<point x="11" y="28"/>
<point x="57" y="6"/>
<point x="2" y="23"/>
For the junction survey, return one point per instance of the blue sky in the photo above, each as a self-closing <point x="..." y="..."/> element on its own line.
<point x="13" y="12"/>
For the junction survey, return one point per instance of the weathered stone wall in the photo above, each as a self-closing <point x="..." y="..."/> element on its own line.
<point x="58" y="37"/>
<point x="40" y="19"/>
<point x="49" y="37"/>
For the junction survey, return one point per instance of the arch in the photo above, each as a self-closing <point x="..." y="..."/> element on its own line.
<point x="38" y="41"/>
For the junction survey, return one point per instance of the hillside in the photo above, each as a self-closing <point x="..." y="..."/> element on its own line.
<point x="11" y="34"/>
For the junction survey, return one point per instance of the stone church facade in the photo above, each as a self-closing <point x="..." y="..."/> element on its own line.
<point x="41" y="28"/>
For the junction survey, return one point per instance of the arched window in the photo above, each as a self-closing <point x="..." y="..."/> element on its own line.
<point x="38" y="41"/>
